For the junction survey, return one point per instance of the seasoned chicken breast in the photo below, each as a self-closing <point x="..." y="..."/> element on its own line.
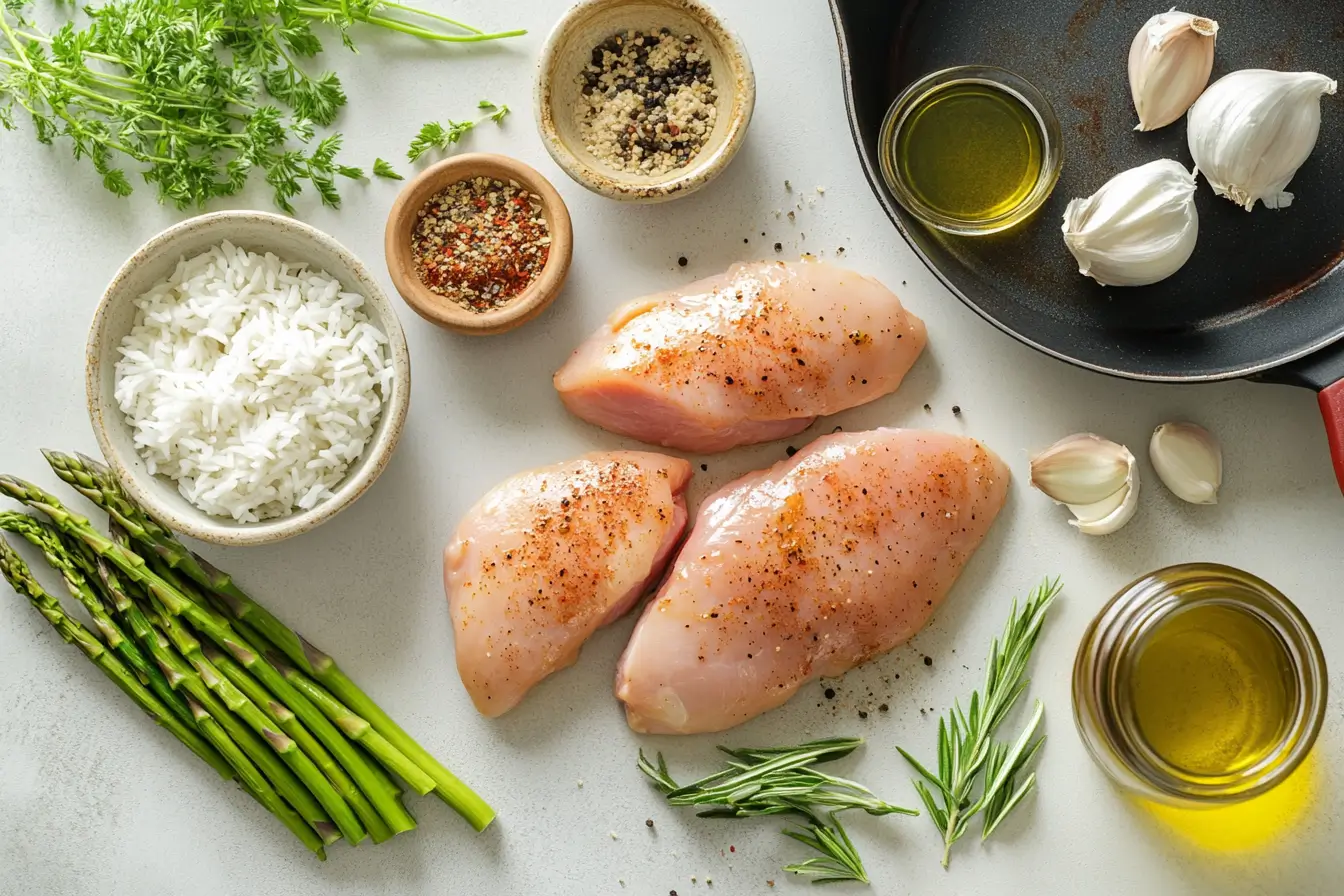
<point x="751" y="355"/>
<point x="549" y="556"/>
<point x="807" y="569"/>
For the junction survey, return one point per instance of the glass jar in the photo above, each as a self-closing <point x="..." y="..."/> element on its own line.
<point x="1103" y="684"/>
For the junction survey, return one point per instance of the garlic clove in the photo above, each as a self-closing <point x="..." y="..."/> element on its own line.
<point x="1081" y="469"/>
<point x="1170" y="61"/>
<point x="1112" y="514"/>
<point x="1188" y="461"/>
<point x="1139" y="228"/>
<point x="1251" y="130"/>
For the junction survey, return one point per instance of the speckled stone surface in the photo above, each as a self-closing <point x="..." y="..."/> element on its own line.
<point x="95" y="800"/>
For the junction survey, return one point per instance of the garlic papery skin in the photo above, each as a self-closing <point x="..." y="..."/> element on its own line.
<point x="1081" y="469"/>
<point x="1139" y="228"/>
<point x="1251" y="130"/>
<point x="1170" y="61"/>
<point x="1188" y="461"/>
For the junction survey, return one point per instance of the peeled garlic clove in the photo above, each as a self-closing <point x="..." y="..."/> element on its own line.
<point x="1081" y="469"/>
<point x="1110" y="515"/>
<point x="1139" y="228"/>
<point x="1188" y="461"/>
<point x="1169" y="65"/>
<point x="1252" y="129"/>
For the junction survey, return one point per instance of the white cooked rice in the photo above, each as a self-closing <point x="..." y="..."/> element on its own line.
<point x="252" y="382"/>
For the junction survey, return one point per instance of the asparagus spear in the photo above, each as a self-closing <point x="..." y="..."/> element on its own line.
<point x="318" y="787"/>
<point x="48" y="542"/>
<point x="253" y="781"/>
<point x="289" y="723"/>
<point x="21" y="578"/>
<point x="252" y="749"/>
<point x="371" y="785"/>
<point x="97" y="483"/>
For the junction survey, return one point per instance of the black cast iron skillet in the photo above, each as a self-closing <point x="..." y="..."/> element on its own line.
<point x="1263" y="296"/>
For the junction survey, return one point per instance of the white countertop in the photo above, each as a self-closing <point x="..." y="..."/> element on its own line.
<point x="95" y="799"/>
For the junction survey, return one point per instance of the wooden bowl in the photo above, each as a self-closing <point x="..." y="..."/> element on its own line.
<point x="567" y="52"/>
<point x="444" y="312"/>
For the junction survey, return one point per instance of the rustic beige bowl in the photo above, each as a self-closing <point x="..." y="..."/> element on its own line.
<point x="154" y="261"/>
<point x="556" y="94"/>
<point x="444" y="312"/>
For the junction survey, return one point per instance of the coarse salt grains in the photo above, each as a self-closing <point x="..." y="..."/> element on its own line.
<point x="646" y="102"/>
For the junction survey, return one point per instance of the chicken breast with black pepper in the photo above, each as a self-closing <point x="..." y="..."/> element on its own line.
<point x="754" y="354"/>
<point x="549" y="556"/>
<point x="807" y="569"/>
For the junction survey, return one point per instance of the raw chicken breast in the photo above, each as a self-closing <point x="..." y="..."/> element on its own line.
<point x="551" y="555"/>
<point x="748" y="356"/>
<point x="807" y="569"/>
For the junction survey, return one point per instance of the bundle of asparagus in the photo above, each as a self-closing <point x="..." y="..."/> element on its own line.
<point x="233" y="683"/>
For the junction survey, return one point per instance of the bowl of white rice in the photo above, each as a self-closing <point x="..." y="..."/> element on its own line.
<point x="247" y="378"/>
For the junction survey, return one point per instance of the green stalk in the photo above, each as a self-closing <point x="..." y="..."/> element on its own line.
<point x="328" y="802"/>
<point x="96" y="482"/>
<point x="357" y="729"/>
<point x="253" y="781"/>
<point x="20" y="577"/>
<point x="289" y="723"/>
<point x="53" y="551"/>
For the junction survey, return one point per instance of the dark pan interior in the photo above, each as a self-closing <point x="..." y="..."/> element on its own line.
<point x="1262" y="287"/>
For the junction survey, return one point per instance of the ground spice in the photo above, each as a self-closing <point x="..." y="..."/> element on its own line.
<point x="647" y="104"/>
<point x="480" y="242"/>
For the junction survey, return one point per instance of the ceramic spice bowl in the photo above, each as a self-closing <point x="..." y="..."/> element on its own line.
<point x="560" y="106"/>
<point x="444" y="311"/>
<point x="259" y="232"/>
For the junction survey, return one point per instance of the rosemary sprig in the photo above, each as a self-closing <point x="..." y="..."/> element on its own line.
<point x="780" y="781"/>
<point x="967" y="749"/>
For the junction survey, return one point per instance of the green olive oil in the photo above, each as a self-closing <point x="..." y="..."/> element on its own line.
<point x="1212" y="689"/>
<point x="970" y="151"/>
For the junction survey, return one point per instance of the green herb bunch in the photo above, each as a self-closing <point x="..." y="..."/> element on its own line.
<point x="785" y="781"/>
<point x="198" y="93"/>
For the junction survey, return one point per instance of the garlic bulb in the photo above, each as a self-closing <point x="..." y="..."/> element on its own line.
<point x="1139" y="228"/>
<point x="1252" y="129"/>
<point x="1188" y="461"/>
<point x="1169" y="65"/>
<point x="1096" y="478"/>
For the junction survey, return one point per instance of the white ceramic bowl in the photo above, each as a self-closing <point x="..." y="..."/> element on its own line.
<point x="556" y="93"/>
<point x="154" y="261"/>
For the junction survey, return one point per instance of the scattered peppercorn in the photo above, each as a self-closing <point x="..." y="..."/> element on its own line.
<point x="863" y="714"/>
<point x="704" y="467"/>
<point x="790" y="451"/>
<point x="830" y="693"/>
<point x="648" y="822"/>
<point x="956" y="410"/>
<point x="647" y="101"/>
<point x="928" y="661"/>
<point x="928" y="408"/>
<point x="681" y="261"/>
<point x="480" y="242"/>
<point x="779" y="247"/>
<point x="882" y="708"/>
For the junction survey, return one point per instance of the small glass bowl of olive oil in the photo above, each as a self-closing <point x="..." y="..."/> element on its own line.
<point x="1199" y="685"/>
<point x="971" y="150"/>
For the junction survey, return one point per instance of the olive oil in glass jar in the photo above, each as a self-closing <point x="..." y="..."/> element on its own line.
<point x="971" y="150"/>
<point x="1199" y="684"/>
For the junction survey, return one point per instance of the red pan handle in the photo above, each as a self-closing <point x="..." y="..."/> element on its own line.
<point x="1331" y="399"/>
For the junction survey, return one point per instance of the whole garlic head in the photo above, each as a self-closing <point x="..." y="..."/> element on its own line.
<point x="1252" y="129"/>
<point x="1139" y="228"/>
<point x="1096" y="478"/>
<point x="1188" y="461"/>
<point x="1170" y="61"/>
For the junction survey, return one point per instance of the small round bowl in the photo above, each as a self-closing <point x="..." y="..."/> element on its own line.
<point x="445" y="312"/>
<point x="567" y="51"/>
<point x="1052" y="147"/>
<point x="154" y="261"/>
